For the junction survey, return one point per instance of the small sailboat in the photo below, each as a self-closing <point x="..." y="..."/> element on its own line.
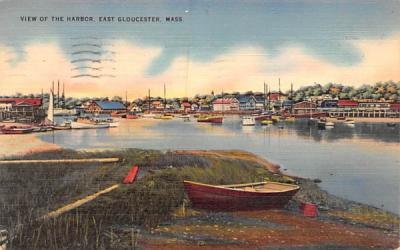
<point x="248" y="196"/>
<point x="248" y="121"/>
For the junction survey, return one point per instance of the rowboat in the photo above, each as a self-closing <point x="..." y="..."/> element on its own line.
<point x="210" y="119"/>
<point x="248" y="121"/>
<point x="16" y="130"/>
<point x="248" y="196"/>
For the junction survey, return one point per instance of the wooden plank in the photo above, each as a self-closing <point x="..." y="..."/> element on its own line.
<point x="78" y="203"/>
<point x="102" y="160"/>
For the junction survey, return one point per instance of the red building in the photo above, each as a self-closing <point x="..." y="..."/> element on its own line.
<point x="22" y="109"/>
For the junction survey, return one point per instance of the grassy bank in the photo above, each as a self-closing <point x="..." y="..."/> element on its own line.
<point x="131" y="214"/>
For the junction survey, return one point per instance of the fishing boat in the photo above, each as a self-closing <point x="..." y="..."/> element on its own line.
<point x="391" y="124"/>
<point x="266" y="122"/>
<point x="16" y="130"/>
<point x="210" y="119"/>
<point x="248" y="121"/>
<point x="248" y="196"/>
<point x="83" y="123"/>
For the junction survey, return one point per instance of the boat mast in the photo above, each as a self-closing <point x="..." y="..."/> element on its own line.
<point x="291" y="98"/>
<point x="63" y="96"/>
<point x="148" y="101"/>
<point x="58" y="94"/>
<point x="126" y="101"/>
<point x="165" y="98"/>
<point x="264" y="96"/>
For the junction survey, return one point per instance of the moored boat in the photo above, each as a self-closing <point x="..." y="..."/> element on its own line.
<point x="148" y="115"/>
<point x="210" y="119"/>
<point x="88" y="124"/>
<point x="248" y="196"/>
<point x="262" y="117"/>
<point x="248" y="121"/>
<point x="266" y="122"/>
<point x="349" y="122"/>
<point x="131" y="116"/>
<point x="16" y="130"/>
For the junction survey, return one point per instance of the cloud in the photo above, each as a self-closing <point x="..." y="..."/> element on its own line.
<point x="239" y="69"/>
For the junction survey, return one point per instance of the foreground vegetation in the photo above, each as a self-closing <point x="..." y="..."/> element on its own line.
<point x="121" y="218"/>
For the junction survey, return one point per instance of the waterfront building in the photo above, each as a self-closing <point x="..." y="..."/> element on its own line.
<point x="105" y="107"/>
<point x="21" y="109"/>
<point x="304" y="107"/>
<point x="347" y="104"/>
<point x="247" y="102"/>
<point x="226" y="104"/>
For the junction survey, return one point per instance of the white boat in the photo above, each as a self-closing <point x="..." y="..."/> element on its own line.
<point x="113" y="124"/>
<point x="349" y="122"/>
<point x="248" y="121"/>
<point x="87" y="124"/>
<point x="149" y="115"/>
<point x="184" y="116"/>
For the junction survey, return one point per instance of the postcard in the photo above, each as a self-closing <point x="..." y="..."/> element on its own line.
<point x="182" y="124"/>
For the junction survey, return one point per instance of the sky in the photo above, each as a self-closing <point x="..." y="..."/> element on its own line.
<point x="218" y="46"/>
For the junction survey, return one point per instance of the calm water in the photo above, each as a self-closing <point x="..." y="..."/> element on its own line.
<point x="361" y="163"/>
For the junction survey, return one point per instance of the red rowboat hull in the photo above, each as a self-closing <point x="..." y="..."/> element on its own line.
<point x="16" y="132"/>
<point x="211" y="120"/>
<point x="221" y="199"/>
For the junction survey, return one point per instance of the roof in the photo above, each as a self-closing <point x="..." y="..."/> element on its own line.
<point x="347" y="103"/>
<point x="245" y="98"/>
<point x="395" y="106"/>
<point x="225" y="101"/>
<point x="106" y="105"/>
<point x="30" y="101"/>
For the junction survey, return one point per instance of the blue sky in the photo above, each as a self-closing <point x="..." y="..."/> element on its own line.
<point x="325" y="29"/>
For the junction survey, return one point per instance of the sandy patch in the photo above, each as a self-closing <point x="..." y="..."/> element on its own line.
<point x="11" y="145"/>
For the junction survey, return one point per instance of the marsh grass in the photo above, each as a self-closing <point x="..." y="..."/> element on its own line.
<point x="30" y="191"/>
